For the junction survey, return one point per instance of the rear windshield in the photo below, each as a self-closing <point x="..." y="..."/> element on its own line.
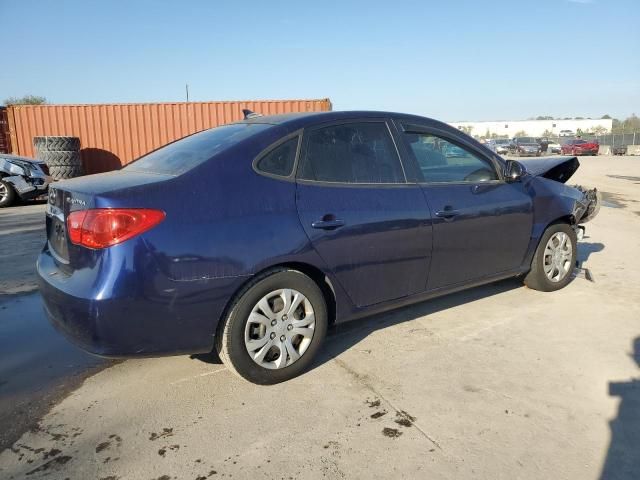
<point x="189" y="152"/>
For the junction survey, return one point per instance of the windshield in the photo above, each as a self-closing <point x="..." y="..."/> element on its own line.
<point x="502" y="141"/>
<point x="526" y="140"/>
<point x="189" y="152"/>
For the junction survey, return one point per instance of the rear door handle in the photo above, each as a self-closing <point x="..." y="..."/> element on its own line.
<point x="328" y="224"/>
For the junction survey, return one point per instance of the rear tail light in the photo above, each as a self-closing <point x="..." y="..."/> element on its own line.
<point x="104" y="227"/>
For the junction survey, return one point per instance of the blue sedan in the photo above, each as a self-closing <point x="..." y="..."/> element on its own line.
<point x="252" y="238"/>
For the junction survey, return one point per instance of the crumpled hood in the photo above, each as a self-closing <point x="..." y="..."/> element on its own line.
<point x="559" y="169"/>
<point x="6" y="156"/>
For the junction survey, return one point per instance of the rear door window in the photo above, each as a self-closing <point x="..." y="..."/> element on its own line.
<point x="358" y="152"/>
<point x="189" y="152"/>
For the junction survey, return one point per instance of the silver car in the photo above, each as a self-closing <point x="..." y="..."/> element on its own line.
<point x="22" y="178"/>
<point x="502" y="145"/>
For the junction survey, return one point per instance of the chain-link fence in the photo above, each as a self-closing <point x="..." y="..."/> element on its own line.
<point x="619" y="139"/>
<point x="611" y="139"/>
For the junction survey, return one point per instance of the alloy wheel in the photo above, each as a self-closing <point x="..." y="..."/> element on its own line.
<point x="279" y="329"/>
<point x="557" y="257"/>
<point x="4" y="192"/>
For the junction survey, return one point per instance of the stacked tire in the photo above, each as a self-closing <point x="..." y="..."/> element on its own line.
<point x="61" y="154"/>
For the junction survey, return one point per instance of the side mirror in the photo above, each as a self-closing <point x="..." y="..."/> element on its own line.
<point x="513" y="171"/>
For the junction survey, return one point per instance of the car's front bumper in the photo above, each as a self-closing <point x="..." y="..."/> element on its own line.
<point x="29" y="187"/>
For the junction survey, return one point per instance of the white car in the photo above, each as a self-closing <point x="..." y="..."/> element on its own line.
<point x="554" y="147"/>
<point x="502" y="145"/>
<point x="567" y="133"/>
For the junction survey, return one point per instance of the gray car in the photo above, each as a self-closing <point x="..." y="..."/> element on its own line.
<point x="21" y="178"/>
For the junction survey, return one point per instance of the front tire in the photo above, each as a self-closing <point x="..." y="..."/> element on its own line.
<point x="7" y="194"/>
<point x="274" y="328"/>
<point x="554" y="260"/>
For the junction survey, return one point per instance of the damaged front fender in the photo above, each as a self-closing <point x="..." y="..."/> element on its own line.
<point x="556" y="199"/>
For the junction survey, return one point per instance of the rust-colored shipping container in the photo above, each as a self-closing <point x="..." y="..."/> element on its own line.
<point x="4" y="131"/>
<point x="112" y="135"/>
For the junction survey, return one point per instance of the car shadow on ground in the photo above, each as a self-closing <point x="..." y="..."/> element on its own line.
<point x="623" y="456"/>
<point x="585" y="249"/>
<point x="343" y="336"/>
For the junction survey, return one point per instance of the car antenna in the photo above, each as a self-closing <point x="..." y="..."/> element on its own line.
<point x="249" y="114"/>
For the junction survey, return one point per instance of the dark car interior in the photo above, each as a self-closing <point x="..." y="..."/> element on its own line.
<point x="353" y="153"/>
<point x="443" y="162"/>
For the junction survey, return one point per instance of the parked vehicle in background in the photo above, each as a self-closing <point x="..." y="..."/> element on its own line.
<point x="566" y="133"/>
<point x="621" y="150"/>
<point x="554" y="147"/>
<point x="502" y="145"/>
<point x="580" y="147"/>
<point x="490" y="144"/>
<point x="544" y="144"/>
<point x="273" y="213"/>
<point x="21" y="178"/>
<point x="526" y="146"/>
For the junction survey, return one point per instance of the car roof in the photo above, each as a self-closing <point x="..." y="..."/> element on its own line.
<point x="295" y="121"/>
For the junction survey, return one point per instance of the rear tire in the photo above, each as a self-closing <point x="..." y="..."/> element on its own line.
<point x="550" y="260"/>
<point x="7" y="194"/>
<point x="274" y="324"/>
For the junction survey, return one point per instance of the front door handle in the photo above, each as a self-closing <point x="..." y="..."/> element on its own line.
<point x="328" y="224"/>
<point x="448" y="214"/>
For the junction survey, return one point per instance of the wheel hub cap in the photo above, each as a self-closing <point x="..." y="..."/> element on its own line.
<point x="557" y="257"/>
<point x="279" y="329"/>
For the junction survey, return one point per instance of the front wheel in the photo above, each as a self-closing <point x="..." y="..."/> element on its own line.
<point x="7" y="194"/>
<point x="275" y="328"/>
<point x="554" y="259"/>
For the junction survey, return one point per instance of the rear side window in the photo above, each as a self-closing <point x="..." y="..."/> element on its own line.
<point x="280" y="160"/>
<point x="191" y="151"/>
<point x="352" y="153"/>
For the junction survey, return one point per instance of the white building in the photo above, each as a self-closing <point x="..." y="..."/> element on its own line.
<point x="532" y="128"/>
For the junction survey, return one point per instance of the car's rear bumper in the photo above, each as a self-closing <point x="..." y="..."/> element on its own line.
<point x="146" y="322"/>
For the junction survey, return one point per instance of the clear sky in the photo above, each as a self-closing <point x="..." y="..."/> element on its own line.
<point x="452" y="60"/>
